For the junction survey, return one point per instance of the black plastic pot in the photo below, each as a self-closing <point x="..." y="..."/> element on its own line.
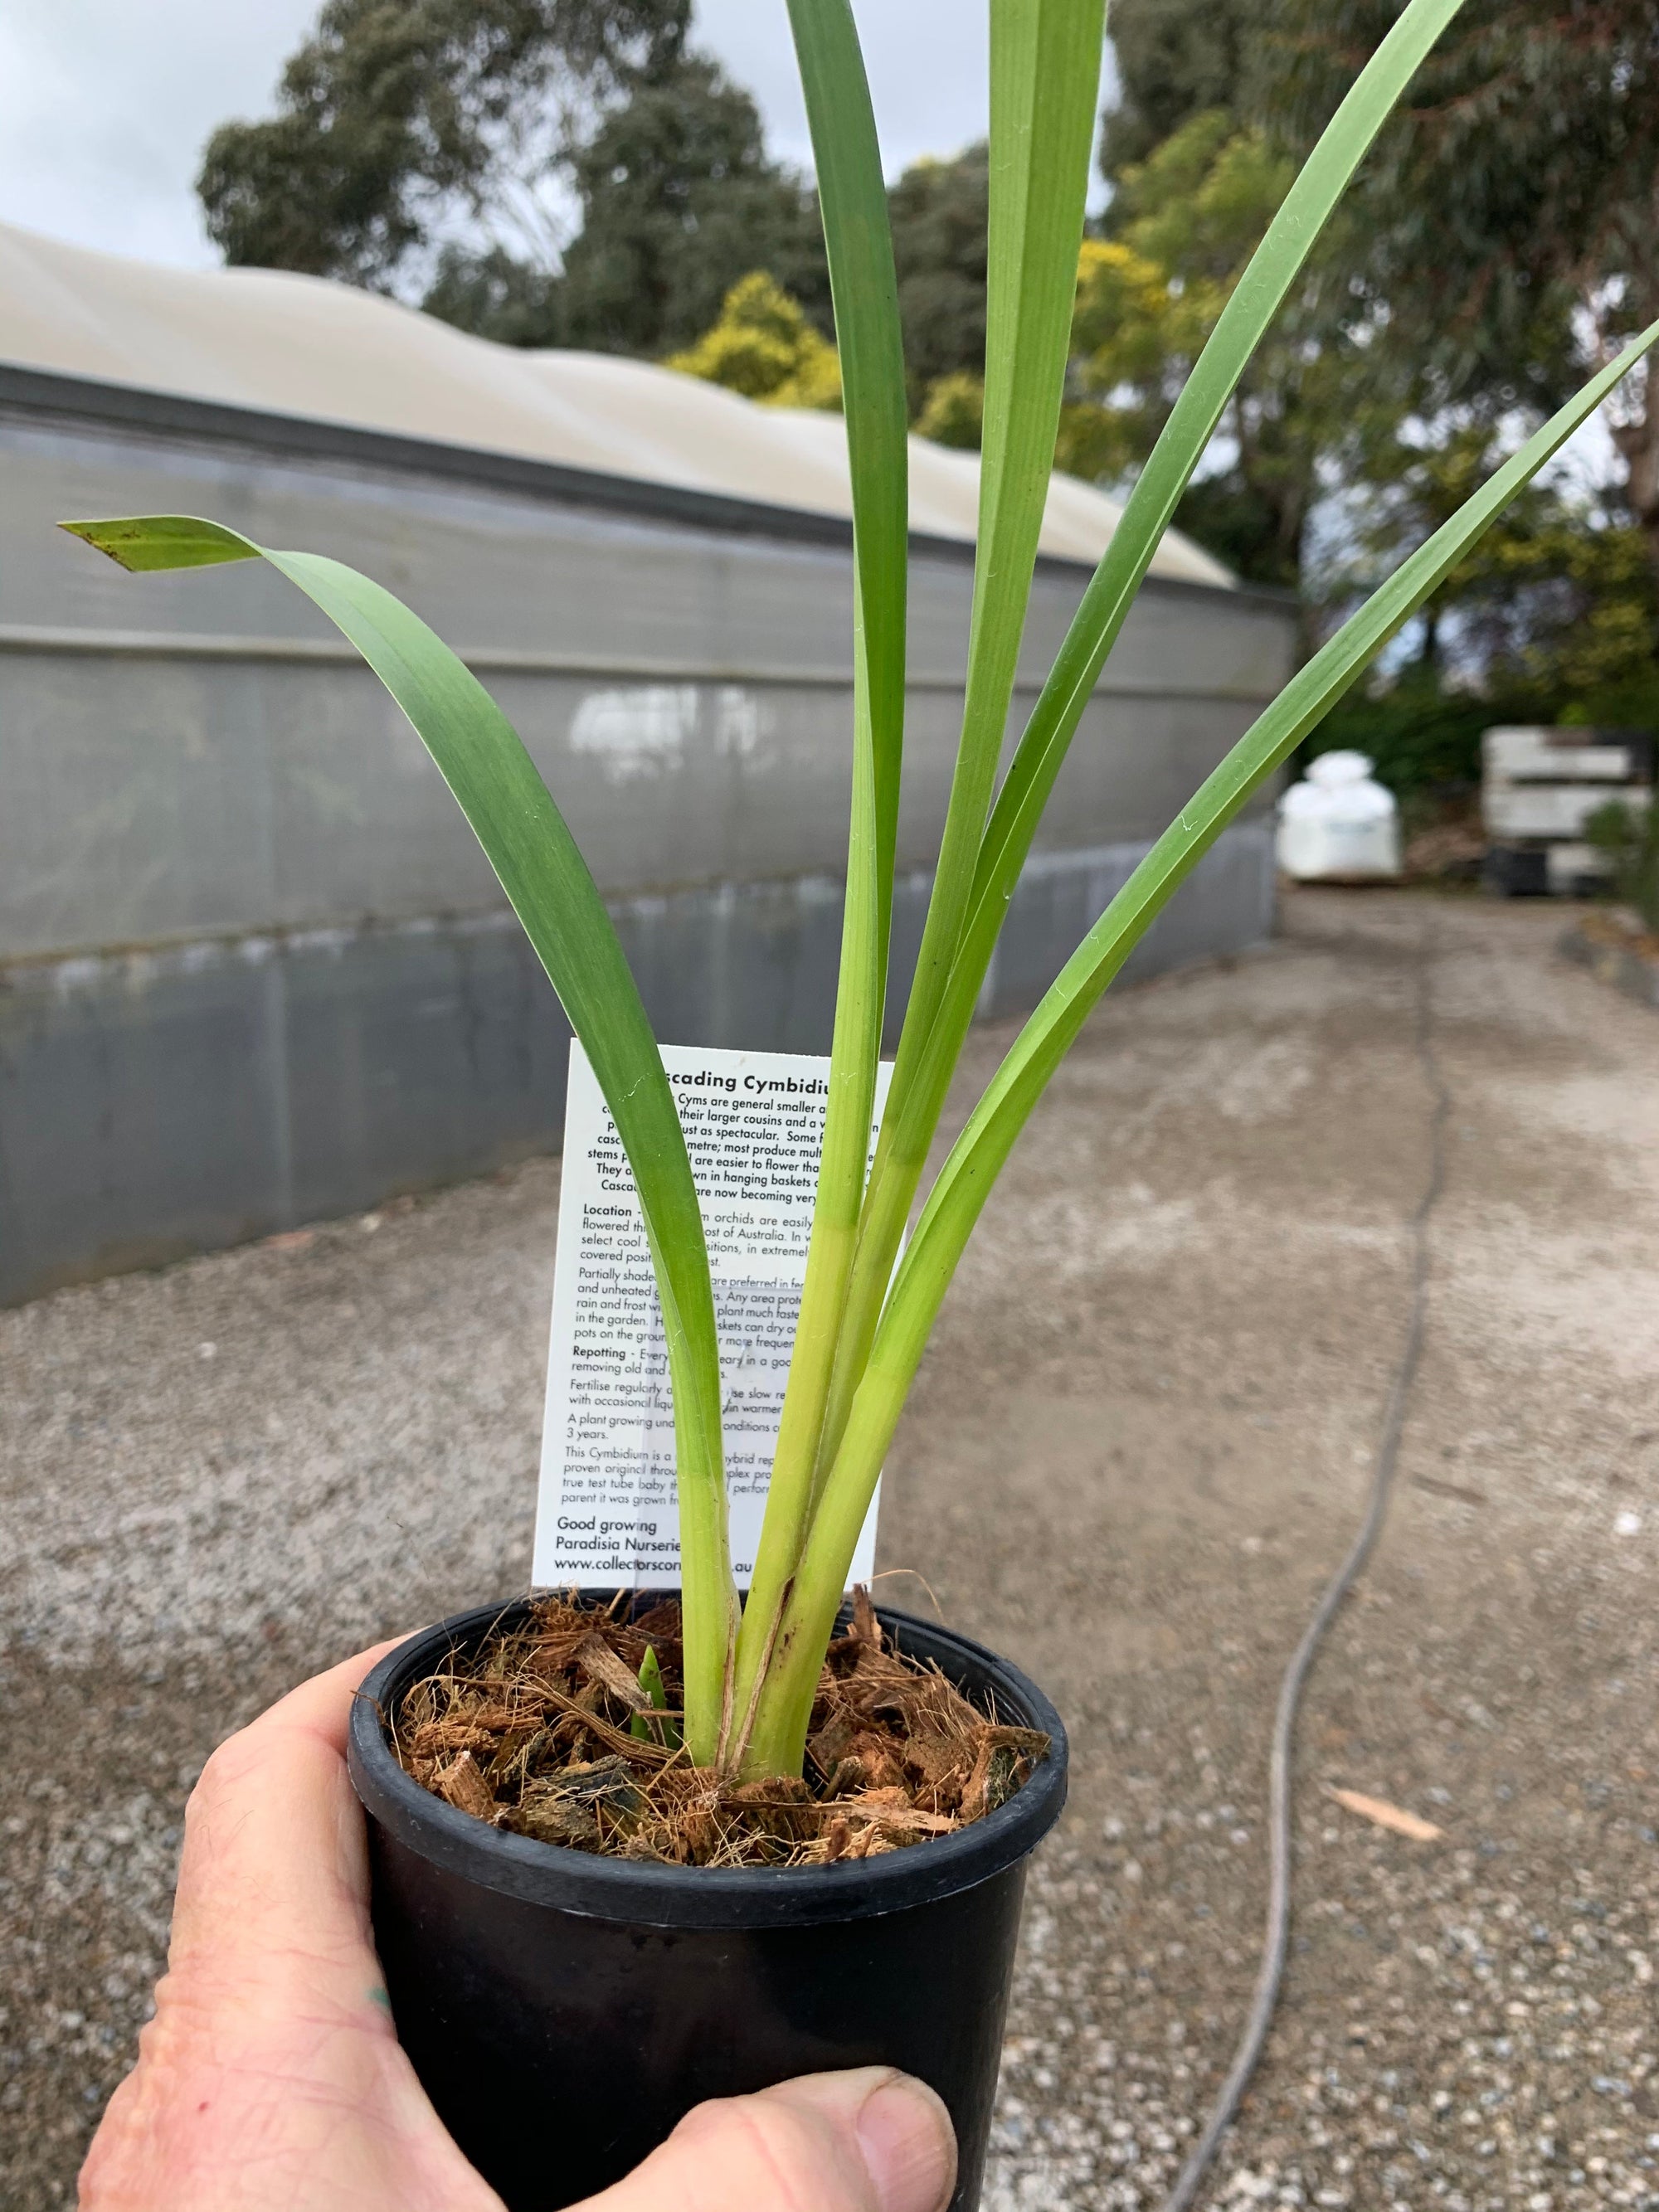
<point x="564" y="2010"/>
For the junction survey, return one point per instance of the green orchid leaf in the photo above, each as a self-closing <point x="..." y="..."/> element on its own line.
<point x="501" y="792"/>
<point x="864" y="287"/>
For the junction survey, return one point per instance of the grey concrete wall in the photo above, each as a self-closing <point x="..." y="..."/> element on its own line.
<point x="253" y="967"/>
<point x="158" y="1103"/>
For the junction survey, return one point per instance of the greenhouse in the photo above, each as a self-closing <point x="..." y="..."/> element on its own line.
<point x="253" y="970"/>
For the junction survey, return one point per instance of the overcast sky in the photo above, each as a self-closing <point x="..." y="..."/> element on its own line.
<point x="105" y="104"/>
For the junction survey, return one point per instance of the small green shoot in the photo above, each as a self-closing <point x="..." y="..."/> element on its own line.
<point x="664" y="1732"/>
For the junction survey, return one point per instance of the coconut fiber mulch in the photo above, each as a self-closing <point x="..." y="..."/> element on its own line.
<point x="546" y="1729"/>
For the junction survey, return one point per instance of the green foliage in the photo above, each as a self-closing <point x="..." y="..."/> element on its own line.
<point x="1633" y="703"/>
<point x="939" y="212"/>
<point x="953" y="412"/>
<point x="1521" y="176"/>
<point x="1195" y="179"/>
<point x="769" y="1731"/>
<point x="1564" y="600"/>
<point x="1179" y="58"/>
<point x="1421" y="737"/>
<point x="664" y="1732"/>
<point x="526" y="841"/>
<point x="431" y="143"/>
<point x="1553" y="618"/>
<point x="390" y="117"/>
<point x="1185" y="222"/>
<point x="1511" y="206"/>
<point x="1513" y="193"/>
<point x="965" y="1182"/>
<point x="678" y="195"/>
<point x="765" y="348"/>
<point x="680" y="201"/>
<point x="1629" y="836"/>
<point x="1045" y="68"/>
<point x="496" y="296"/>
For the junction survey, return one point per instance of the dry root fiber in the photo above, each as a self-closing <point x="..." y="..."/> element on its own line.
<point x="545" y="1730"/>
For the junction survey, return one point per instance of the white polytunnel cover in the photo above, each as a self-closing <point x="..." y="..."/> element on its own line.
<point x="287" y="345"/>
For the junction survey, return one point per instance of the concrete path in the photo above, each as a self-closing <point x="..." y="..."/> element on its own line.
<point x="1139" y="1446"/>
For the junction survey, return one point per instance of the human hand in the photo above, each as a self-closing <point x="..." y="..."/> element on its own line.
<point x="271" y="2080"/>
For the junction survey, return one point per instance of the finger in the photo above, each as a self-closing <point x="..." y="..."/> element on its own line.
<point x="867" y="2140"/>
<point x="324" y="1704"/>
<point x="274" y="1840"/>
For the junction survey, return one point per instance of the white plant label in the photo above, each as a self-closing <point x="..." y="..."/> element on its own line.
<point x="754" y="1126"/>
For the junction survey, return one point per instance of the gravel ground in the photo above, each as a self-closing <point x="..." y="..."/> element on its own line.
<point x="1139" y="1446"/>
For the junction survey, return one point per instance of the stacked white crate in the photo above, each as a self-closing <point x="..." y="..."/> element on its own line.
<point x="1540" y="787"/>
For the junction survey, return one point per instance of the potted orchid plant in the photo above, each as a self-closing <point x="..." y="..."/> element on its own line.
<point x="623" y="1862"/>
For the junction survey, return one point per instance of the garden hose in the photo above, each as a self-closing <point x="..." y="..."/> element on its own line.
<point x="1271" y="1974"/>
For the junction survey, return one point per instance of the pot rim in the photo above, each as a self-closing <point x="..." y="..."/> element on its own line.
<point x="648" y="1893"/>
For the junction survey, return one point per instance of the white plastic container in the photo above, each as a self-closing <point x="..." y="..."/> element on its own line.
<point x="1338" y="822"/>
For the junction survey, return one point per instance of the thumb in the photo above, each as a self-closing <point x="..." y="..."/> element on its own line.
<point x="869" y="2141"/>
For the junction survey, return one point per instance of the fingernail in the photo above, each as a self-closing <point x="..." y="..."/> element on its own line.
<point x="908" y="2146"/>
